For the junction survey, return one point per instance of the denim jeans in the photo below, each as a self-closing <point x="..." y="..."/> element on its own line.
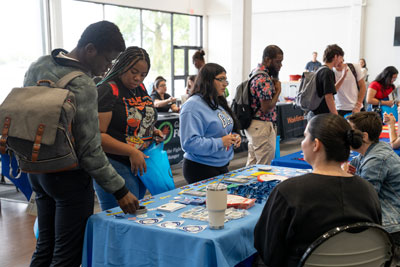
<point x="134" y="184"/>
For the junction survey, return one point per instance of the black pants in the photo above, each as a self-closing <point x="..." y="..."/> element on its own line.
<point x="65" y="200"/>
<point x="194" y="172"/>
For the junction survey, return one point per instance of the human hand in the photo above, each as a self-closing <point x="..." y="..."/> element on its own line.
<point x="129" y="203"/>
<point x="238" y="140"/>
<point x="345" y="70"/>
<point x="228" y="140"/>
<point x="171" y="100"/>
<point x="389" y="119"/>
<point x="388" y="103"/>
<point x="278" y="87"/>
<point x="138" y="164"/>
<point x="158" y="136"/>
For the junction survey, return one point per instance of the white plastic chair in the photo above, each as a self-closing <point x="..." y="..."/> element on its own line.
<point x="360" y="244"/>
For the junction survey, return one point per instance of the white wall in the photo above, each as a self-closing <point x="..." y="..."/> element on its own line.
<point x="378" y="48"/>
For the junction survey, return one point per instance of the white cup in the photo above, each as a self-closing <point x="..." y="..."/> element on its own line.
<point x="216" y="205"/>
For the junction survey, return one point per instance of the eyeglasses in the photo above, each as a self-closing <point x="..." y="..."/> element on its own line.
<point x="222" y="80"/>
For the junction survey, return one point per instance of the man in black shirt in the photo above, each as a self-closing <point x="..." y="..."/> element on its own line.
<point x="333" y="56"/>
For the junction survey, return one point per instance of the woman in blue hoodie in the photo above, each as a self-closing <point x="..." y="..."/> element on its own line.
<point x="206" y="126"/>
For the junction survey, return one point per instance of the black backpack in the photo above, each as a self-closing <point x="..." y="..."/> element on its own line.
<point x="241" y="103"/>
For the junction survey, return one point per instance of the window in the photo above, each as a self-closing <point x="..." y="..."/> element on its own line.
<point x="128" y="21"/>
<point x="22" y="41"/>
<point x="157" y="42"/>
<point x="155" y="31"/>
<point x="76" y="16"/>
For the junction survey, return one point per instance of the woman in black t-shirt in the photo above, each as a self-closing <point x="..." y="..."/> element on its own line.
<point x="126" y="120"/>
<point x="163" y="101"/>
<point x="302" y="208"/>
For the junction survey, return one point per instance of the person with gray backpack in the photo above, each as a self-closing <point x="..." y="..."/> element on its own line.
<point x="65" y="199"/>
<point x="317" y="89"/>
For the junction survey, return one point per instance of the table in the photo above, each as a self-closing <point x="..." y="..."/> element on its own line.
<point x="21" y="183"/>
<point x="290" y="121"/>
<point x="296" y="159"/>
<point x="121" y="242"/>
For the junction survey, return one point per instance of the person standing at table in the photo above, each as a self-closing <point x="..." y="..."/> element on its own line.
<point x="207" y="126"/>
<point x="265" y="89"/>
<point x="198" y="59"/>
<point x="127" y="118"/>
<point x="380" y="89"/>
<point x="162" y="100"/>
<point x="302" y="208"/>
<point x="314" y="64"/>
<point x="65" y="200"/>
<point x="380" y="165"/>
<point x="364" y="69"/>
<point x="350" y="88"/>
<point x="333" y="56"/>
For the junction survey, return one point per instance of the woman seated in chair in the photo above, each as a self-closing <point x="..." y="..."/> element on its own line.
<point x="162" y="100"/>
<point x="301" y="209"/>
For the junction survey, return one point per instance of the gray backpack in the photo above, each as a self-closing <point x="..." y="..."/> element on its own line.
<point x="35" y="125"/>
<point x="307" y="97"/>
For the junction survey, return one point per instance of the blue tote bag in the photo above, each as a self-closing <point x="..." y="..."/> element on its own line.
<point x="158" y="178"/>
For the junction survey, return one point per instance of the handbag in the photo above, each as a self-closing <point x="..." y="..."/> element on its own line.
<point x="158" y="178"/>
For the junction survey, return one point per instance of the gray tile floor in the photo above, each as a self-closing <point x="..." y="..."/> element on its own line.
<point x="9" y="191"/>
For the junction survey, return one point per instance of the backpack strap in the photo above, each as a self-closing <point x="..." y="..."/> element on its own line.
<point x="4" y="135"/>
<point x="353" y="70"/>
<point x="62" y="83"/>
<point x="114" y="88"/>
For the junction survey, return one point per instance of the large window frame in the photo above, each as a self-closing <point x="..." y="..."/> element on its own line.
<point x="56" y="41"/>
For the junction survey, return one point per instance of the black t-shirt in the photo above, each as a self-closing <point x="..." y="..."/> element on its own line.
<point x="325" y="85"/>
<point x="301" y="209"/>
<point x="155" y="95"/>
<point x="133" y="115"/>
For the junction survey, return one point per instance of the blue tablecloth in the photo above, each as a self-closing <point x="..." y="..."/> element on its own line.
<point x="296" y="159"/>
<point x="21" y="183"/>
<point x="110" y="241"/>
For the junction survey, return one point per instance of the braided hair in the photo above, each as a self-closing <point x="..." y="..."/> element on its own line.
<point x="125" y="61"/>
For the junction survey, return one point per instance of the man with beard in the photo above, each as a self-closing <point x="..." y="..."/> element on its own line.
<point x="333" y="57"/>
<point x="265" y="89"/>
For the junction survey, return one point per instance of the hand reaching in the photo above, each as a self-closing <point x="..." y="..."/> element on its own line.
<point x="129" y="203"/>
<point x="138" y="164"/>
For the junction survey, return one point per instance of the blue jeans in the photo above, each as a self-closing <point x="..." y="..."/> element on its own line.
<point x="134" y="184"/>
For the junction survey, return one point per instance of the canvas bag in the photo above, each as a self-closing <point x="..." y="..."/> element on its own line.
<point x="35" y="126"/>
<point x="307" y="97"/>
<point x="241" y="105"/>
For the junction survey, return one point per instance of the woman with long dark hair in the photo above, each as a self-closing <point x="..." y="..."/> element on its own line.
<point x="380" y="89"/>
<point x="207" y="126"/>
<point x="302" y="208"/>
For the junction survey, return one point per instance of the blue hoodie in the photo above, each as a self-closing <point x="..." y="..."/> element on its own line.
<point x="201" y="130"/>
